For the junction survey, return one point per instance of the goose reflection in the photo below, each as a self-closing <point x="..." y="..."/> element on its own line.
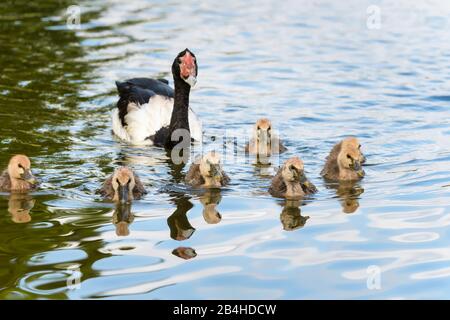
<point x="185" y="253"/>
<point x="19" y="206"/>
<point x="210" y="200"/>
<point x="291" y="217"/>
<point x="348" y="194"/>
<point x="122" y="218"/>
<point x="179" y="225"/>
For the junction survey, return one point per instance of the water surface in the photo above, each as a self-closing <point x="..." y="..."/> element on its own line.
<point x="313" y="67"/>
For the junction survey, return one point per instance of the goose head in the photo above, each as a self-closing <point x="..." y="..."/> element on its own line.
<point x="19" y="168"/>
<point x="211" y="169"/>
<point x="185" y="67"/>
<point x="123" y="184"/>
<point x="350" y="156"/>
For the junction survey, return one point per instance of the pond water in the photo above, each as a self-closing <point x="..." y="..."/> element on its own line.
<point x="317" y="69"/>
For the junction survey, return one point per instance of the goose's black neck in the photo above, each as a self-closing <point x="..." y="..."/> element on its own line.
<point x="180" y="112"/>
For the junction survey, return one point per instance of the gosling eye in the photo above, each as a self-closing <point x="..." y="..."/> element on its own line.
<point x="20" y="166"/>
<point x="349" y="157"/>
<point x="117" y="180"/>
<point x="359" y="147"/>
<point x="129" y="180"/>
<point x="291" y="167"/>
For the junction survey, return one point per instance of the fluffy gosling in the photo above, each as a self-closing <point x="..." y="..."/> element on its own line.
<point x="264" y="142"/>
<point x="123" y="186"/>
<point x="344" y="161"/>
<point x="290" y="181"/>
<point x="18" y="176"/>
<point x="207" y="173"/>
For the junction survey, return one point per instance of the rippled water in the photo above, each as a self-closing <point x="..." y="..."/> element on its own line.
<point x="313" y="67"/>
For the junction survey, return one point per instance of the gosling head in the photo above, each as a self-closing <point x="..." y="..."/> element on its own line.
<point x="19" y="168"/>
<point x="263" y="129"/>
<point x="293" y="171"/>
<point x="185" y="67"/>
<point x="123" y="184"/>
<point x="350" y="156"/>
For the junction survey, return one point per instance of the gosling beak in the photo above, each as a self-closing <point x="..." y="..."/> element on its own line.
<point x="216" y="172"/>
<point x="363" y="159"/>
<point x="302" y="177"/>
<point x="123" y="193"/>
<point x="27" y="175"/>
<point x="356" y="165"/>
<point x="264" y="137"/>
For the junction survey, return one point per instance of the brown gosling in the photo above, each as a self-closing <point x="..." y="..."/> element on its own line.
<point x="18" y="176"/>
<point x="344" y="161"/>
<point x="123" y="186"/>
<point x="264" y="142"/>
<point x="290" y="181"/>
<point x="207" y="173"/>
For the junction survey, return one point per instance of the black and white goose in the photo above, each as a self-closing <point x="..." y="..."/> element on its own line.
<point x="149" y="110"/>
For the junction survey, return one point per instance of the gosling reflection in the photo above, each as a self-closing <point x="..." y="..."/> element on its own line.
<point x="264" y="170"/>
<point x="348" y="194"/>
<point x="185" y="253"/>
<point x="210" y="200"/>
<point x="180" y="228"/>
<point x="19" y="206"/>
<point x="122" y="218"/>
<point x="291" y="216"/>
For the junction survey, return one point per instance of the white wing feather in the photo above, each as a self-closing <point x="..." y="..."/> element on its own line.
<point x="145" y="120"/>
